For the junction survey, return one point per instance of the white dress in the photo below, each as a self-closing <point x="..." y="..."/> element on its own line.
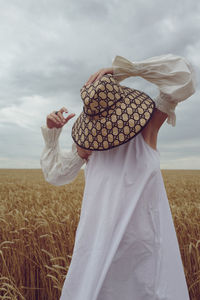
<point x="126" y="246"/>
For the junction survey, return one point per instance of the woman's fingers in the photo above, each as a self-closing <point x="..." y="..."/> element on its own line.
<point x="53" y="120"/>
<point x="56" y="119"/>
<point x="92" y="78"/>
<point x="60" y="114"/>
<point x="63" y="109"/>
<point x="53" y="117"/>
<point x="98" y="75"/>
<point x="57" y="116"/>
<point x="69" y="117"/>
<point x="63" y="120"/>
<point x="61" y="117"/>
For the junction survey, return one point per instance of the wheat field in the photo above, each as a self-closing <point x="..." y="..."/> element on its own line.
<point x="38" y="223"/>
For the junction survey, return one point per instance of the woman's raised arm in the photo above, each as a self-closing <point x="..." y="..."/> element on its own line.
<point x="59" y="166"/>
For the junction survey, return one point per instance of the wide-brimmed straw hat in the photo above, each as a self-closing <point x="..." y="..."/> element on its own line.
<point x="112" y="114"/>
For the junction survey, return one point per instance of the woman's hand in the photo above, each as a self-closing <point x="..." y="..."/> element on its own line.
<point x="58" y="120"/>
<point x="83" y="153"/>
<point x="99" y="74"/>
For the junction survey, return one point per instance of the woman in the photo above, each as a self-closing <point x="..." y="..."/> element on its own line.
<point x="126" y="245"/>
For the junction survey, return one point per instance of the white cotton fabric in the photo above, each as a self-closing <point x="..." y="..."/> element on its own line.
<point x="59" y="166"/>
<point x="172" y="74"/>
<point x="126" y="245"/>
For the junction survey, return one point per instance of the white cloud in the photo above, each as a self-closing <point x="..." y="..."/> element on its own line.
<point x="26" y="114"/>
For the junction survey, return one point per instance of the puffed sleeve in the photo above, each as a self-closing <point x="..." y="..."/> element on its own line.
<point x="172" y="74"/>
<point x="59" y="167"/>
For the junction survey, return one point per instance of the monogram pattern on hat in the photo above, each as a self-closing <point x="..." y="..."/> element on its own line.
<point x="100" y="95"/>
<point x="102" y="126"/>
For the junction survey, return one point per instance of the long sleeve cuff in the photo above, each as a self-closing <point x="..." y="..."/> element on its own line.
<point x="59" y="166"/>
<point x="163" y="103"/>
<point x="51" y="136"/>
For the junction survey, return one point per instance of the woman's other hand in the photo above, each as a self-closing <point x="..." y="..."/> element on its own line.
<point x="57" y="119"/>
<point x="99" y="74"/>
<point x="83" y="153"/>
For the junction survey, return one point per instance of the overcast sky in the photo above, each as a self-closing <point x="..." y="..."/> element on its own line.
<point x="48" y="49"/>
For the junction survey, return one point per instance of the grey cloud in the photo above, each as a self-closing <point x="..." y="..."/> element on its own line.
<point x="49" y="49"/>
<point x="59" y="76"/>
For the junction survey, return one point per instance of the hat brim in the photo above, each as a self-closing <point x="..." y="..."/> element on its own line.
<point x="123" y="122"/>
